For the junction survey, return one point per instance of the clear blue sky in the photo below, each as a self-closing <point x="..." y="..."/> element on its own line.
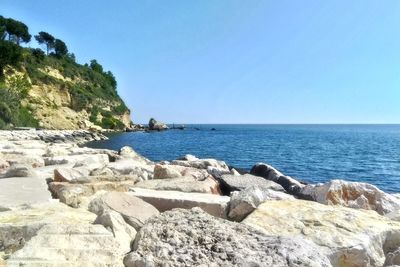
<point x="235" y="61"/>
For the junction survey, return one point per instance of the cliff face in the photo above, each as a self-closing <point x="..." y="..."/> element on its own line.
<point x="62" y="94"/>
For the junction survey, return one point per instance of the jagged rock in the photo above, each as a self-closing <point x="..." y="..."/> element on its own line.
<point x="20" y="170"/>
<point x="4" y="165"/>
<point x="71" y="194"/>
<point x="23" y="190"/>
<point x="268" y="172"/>
<point x="19" y="225"/>
<point x="244" y="202"/>
<point x="349" y="237"/>
<point x="231" y="183"/>
<point x="194" y="238"/>
<point x="134" y="210"/>
<point x="34" y="161"/>
<point x="354" y="195"/>
<point x="70" y="245"/>
<point x="123" y="232"/>
<point x="166" y="200"/>
<point x="166" y="171"/>
<point x="393" y="258"/>
<point x="101" y="159"/>
<point x="128" y="153"/>
<point x="71" y="175"/>
<point x="183" y="184"/>
<point x="201" y="163"/>
<point x="130" y="166"/>
<point x="156" y="125"/>
<point x="217" y="172"/>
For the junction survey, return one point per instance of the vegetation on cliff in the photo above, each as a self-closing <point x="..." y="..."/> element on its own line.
<point x="50" y="89"/>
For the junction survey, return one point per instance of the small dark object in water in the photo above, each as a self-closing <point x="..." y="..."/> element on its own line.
<point x="197" y="129"/>
<point x="213" y="129"/>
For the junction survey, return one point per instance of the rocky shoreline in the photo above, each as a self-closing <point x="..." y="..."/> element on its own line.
<point x="63" y="204"/>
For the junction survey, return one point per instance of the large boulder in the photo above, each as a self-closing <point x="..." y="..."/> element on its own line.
<point x="191" y="161"/>
<point x="183" y="184"/>
<point x="349" y="237"/>
<point x="194" y="238"/>
<point x="70" y="245"/>
<point x="115" y="223"/>
<point x="231" y="183"/>
<point x="72" y="175"/>
<point x="128" y="167"/>
<point x="155" y="125"/>
<point x="20" y="170"/>
<point x="268" y="172"/>
<point x="72" y="193"/>
<point x="134" y="210"/>
<point x="244" y="202"/>
<point x="354" y="195"/>
<point x="127" y="152"/>
<point x="163" y="171"/>
<point x="166" y="200"/>
<point x="99" y="159"/>
<point x="23" y="190"/>
<point x="19" y="225"/>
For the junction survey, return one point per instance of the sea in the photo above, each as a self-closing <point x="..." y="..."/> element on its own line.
<point x="311" y="153"/>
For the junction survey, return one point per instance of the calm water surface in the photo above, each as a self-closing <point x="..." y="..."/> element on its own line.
<point x="313" y="153"/>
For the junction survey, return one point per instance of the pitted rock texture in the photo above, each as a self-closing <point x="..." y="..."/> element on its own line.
<point x="354" y="195"/>
<point x="194" y="238"/>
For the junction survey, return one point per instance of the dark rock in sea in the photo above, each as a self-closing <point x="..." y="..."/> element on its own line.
<point x="155" y="125"/>
<point x="229" y="183"/>
<point x="292" y="186"/>
<point x="213" y="129"/>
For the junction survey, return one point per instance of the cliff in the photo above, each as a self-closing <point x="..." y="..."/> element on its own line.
<point x="52" y="90"/>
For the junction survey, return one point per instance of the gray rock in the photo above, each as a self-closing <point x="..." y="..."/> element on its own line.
<point x="194" y="238"/>
<point x="244" y="202"/>
<point x="156" y="125"/>
<point x="69" y="245"/>
<point x="231" y="183"/>
<point x="123" y="232"/>
<point x="184" y="184"/>
<point x="134" y="210"/>
<point x="20" y="170"/>
<point x="71" y="175"/>
<point x="166" y="200"/>
<point x="268" y="172"/>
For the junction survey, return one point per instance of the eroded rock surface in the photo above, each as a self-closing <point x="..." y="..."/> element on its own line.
<point x="354" y="195"/>
<point x="194" y="238"/>
<point x="69" y="245"/>
<point x="134" y="210"/>
<point x="166" y="200"/>
<point x="244" y="202"/>
<point x="349" y="237"/>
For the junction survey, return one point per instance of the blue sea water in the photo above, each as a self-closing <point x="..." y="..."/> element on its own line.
<point x="312" y="153"/>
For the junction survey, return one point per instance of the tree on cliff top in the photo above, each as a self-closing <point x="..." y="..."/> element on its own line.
<point x="46" y="39"/>
<point x="60" y="48"/>
<point x="16" y="30"/>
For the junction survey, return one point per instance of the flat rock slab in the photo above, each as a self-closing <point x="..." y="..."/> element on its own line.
<point x="166" y="200"/>
<point x="231" y="183"/>
<point x="15" y="191"/>
<point x="19" y="225"/>
<point x="350" y="237"/>
<point x="194" y="238"/>
<point x="69" y="245"/>
<point x="184" y="184"/>
<point x="134" y="210"/>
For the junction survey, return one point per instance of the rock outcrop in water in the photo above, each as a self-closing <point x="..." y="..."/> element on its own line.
<point x="64" y="204"/>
